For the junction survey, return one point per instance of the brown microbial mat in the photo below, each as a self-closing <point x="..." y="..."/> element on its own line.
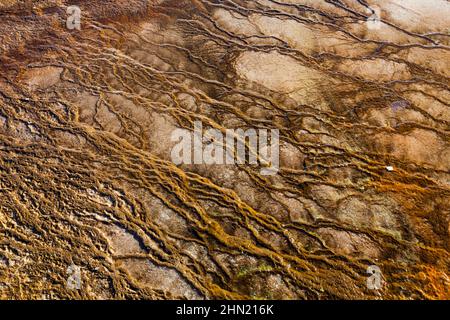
<point x="225" y="149"/>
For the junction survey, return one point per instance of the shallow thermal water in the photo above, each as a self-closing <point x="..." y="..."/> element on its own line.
<point x="88" y="188"/>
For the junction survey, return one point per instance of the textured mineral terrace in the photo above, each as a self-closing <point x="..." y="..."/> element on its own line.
<point x="358" y="89"/>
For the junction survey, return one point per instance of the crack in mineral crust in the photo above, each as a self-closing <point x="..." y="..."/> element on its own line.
<point x="86" y="177"/>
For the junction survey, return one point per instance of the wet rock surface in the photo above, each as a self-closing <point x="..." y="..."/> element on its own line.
<point x="86" y="176"/>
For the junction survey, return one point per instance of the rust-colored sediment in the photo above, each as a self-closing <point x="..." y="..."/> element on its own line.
<point x="85" y="172"/>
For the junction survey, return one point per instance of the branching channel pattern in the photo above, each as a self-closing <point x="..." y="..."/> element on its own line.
<point x="86" y="178"/>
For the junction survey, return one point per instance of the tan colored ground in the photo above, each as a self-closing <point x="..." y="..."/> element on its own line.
<point x="86" y="176"/>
